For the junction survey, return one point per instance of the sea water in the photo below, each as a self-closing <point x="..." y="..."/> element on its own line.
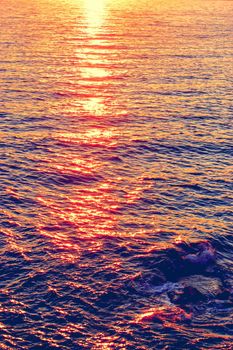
<point x="116" y="143"/>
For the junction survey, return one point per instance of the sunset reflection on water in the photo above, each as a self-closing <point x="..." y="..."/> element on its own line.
<point x="116" y="145"/>
<point x="90" y="211"/>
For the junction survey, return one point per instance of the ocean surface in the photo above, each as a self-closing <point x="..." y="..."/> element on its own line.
<point x="116" y="144"/>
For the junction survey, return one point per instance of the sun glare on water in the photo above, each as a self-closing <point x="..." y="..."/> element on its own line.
<point x="94" y="11"/>
<point x="94" y="69"/>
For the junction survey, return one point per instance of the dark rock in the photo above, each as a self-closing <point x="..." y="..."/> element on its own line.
<point x="187" y="295"/>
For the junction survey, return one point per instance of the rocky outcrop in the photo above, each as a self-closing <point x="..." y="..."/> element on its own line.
<point x="186" y="273"/>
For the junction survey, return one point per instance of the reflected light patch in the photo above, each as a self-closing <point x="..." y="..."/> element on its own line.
<point x="86" y="213"/>
<point x="69" y="165"/>
<point x="95" y="106"/>
<point x="168" y="315"/>
<point x="94" y="72"/>
<point x="91" y="137"/>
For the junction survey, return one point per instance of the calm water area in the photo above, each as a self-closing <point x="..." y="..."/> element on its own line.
<point x="116" y="144"/>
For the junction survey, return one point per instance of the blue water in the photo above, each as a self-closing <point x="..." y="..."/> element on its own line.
<point x="115" y="161"/>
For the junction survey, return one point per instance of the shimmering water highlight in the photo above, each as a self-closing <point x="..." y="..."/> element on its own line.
<point x="116" y="167"/>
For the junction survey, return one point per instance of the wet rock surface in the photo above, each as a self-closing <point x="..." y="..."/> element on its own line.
<point x="196" y="288"/>
<point x="205" y="285"/>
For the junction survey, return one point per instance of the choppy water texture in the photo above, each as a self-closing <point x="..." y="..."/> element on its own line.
<point x="116" y="147"/>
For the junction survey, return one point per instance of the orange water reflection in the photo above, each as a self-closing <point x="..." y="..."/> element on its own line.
<point x="169" y="315"/>
<point x="88" y="103"/>
<point x="94" y="136"/>
<point x="87" y="206"/>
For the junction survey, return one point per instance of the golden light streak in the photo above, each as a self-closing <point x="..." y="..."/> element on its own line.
<point x="94" y="13"/>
